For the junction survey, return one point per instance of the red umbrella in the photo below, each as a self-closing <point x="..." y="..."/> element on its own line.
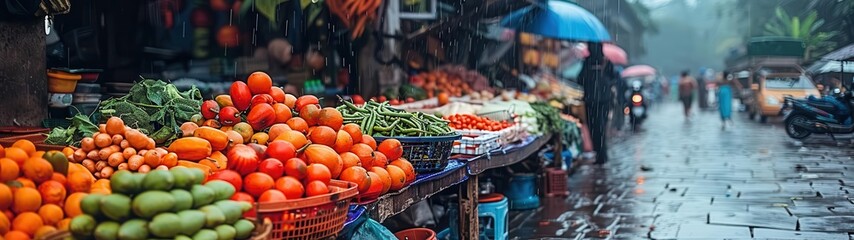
<point x="612" y="52"/>
<point x="638" y="70"/>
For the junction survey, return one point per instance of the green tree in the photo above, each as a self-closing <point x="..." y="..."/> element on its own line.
<point x="807" y="29"/>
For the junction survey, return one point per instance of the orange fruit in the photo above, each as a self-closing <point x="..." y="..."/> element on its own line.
<point x="5" y="197"/>
<point x="367" y="139"/>
<point x="260" y="83"/>
<point x="25" y="145"/>
<point x="52" y="192"/>
<point x="383" y="176"/>
<point x="38" y="170"/>
<point x="80" y="181"/>
<point x="277" y="129"/>
<point x="343" y="142"/>
<point x="297" y="124"/>
<point x="59" y="178"/>
<point x="27" y="222"/>
<point x="318" y="172"/>
<point x="101" y="186"/>
<point x="391" y="148"/>
<point x="257" y="183"/>
<point x="357" y="175"/>
<point x="365" y="154"/>
<point x="354" y="130"/>
<point x="17" y="154"/>
<point x="5" y="224"/>
<point x="323" y="135"/>
<point x="63" y="224"/>
<point x="278" y="95"/>
<point x="9" y="170"/>
<point x="296" y="138"/>
<point x="290" y="100"/>
<point x="376" y="187"/>
<point x="103" y="140"/>
<point x="51" y="214"/>
<point x="314" y="188"/>
<point x="26" y="200"/>
<point x="16" y="235"/>
<point x="272" y="195"/>
<point x="2" y="152"/>
<point x="296" y="168"/>
<point x="398" y="177"/>
<point x="350" y="159"/>
<point x="380" y="159"/>
<point x="36" y="155"/>
<point x="72" y="204"/>
<point x="290" y="186"/>
<point x="26" y="182"/>
<point x="44" y="231"/>
<point x="407" y="168"/>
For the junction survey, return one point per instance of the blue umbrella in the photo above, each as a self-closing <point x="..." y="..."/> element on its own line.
<point x="558" y="20"/>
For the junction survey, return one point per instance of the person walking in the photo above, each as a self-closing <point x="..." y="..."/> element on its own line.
<point x="702" y="98"/>
<point x="597" y="77"/>
<point x="687" y="84"/>
<point x="725" y="90"/>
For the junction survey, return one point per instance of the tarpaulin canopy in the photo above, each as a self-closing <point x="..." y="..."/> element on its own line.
<point x="558" y="20"/>
<point x="826" y="66"/>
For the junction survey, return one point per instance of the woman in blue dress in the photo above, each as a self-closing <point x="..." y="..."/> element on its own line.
<point x="725" y="91"/>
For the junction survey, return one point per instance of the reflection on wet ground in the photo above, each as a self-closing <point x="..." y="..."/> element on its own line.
<point x="691" y="179"/>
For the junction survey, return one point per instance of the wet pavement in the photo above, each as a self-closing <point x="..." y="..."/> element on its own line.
<point x="684" y="180"/>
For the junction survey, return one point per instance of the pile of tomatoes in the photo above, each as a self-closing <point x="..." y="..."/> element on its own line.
<point x="474" y="122"/>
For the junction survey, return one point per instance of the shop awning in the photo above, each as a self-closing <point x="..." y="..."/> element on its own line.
<point x="845" y="54"/>
<point x="830" y="66"/>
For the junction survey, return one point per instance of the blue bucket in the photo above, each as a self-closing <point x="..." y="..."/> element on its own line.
<point x="522" y="192"/>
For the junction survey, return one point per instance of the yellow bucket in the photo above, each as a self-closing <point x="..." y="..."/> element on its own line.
<point x="61" y="82"/>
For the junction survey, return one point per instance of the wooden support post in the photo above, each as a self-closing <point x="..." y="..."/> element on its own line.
<point x="23" y="91"/>
<point x="469" y="226"/>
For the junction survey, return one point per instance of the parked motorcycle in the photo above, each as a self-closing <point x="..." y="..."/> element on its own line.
<point x="828" y="115"/>
<point x="637" y="106"/>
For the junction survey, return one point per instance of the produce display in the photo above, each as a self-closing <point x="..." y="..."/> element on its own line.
<point x="40" y="191"/>
<point x="273" y="146"/>
<point x="163" y="204"/>
<point x="474" y="122"/>
<point x="454" y="80"/>
<point x="118" y="147"/>
<point x="380" y="119"/>
<point x="153" y="107"/>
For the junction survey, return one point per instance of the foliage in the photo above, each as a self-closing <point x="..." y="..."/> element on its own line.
<point x="155" y="108"/>
<point x="806" y="29"/>
<point x="80" y="127"/>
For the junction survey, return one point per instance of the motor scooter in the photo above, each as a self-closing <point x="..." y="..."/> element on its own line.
<point x="828" y="115"/>
<point x="637" y="106"/>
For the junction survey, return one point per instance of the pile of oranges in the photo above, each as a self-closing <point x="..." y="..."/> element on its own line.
<point x="34" y="199"/>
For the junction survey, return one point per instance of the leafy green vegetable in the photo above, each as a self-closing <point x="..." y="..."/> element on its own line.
<point x="80" y="127"/>
<point x="154" y="107"/>
<point x="548" y="117"/>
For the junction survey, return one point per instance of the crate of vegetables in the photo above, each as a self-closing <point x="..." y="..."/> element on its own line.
<point x="501" y="124"/>
<point x="316" y="217"/>
<point x="476" y="143"/>
<point x="427" y="140"/>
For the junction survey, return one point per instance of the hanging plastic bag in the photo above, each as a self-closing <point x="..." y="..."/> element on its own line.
<point x="373" y="230"/>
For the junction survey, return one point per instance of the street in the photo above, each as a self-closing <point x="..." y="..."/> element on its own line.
<point x="679" y="179"/>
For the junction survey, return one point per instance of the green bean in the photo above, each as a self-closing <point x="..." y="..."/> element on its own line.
<point x="394" y="114"/>
<point x="354" y="107"/>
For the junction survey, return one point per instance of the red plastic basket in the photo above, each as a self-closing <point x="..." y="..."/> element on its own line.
<point x="318" y="217"/>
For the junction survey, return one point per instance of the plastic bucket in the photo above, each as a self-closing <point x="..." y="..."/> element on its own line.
<point x="416" y="234"/>
<point x="61" y="82"/>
